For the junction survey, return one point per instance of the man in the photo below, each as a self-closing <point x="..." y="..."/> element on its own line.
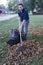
<point x="24" y="18"/>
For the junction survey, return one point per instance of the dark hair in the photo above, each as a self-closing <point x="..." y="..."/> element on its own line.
<point x="20" y="4"/>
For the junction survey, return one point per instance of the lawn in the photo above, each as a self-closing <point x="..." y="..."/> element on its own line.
<point x="6" y="26"/>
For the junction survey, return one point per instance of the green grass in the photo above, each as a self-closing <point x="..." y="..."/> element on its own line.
<point x="36" y="20"/>
<point x="6" y="26"/>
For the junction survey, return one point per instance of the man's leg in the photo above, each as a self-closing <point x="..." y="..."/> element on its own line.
<point x="25" y="30"/>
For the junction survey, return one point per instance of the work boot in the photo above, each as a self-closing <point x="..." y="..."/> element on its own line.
<point x="24" y="37"/>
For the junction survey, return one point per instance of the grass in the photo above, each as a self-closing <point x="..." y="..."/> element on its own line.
<point x="36" y="20"/>
<point x="6" y="26"/>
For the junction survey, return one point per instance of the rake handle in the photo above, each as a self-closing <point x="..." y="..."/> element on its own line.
<point x="20" y="32"/>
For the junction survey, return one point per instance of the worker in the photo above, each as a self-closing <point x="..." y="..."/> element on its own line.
<point x="24" y="18"/>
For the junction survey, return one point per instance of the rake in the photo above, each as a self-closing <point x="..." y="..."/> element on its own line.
<point x="20" y="33"/>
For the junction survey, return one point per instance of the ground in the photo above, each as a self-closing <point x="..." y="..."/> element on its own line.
<point x="6" y="16"/>
<point x="36" y="23"/>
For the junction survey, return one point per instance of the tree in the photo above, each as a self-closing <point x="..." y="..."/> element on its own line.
<point x="32" y="6"/>
<point x="12" y="5"/>
<point x="2" y="6"/>
<point x="26" y="4"/>
<point x="40" y="4"/>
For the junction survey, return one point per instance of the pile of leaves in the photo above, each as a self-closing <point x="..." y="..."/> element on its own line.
<point x="22" y="55"/>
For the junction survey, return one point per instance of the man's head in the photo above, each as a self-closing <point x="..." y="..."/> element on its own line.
<point x="20" y="7"/>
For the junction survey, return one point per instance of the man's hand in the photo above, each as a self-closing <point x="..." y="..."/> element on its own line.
<point x="22" y="24"/>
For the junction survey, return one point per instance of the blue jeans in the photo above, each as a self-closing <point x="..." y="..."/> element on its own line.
<point x="25" y="29"/>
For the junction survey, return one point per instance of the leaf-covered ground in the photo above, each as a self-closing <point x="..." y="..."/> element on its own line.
<point x="35" y="32"/>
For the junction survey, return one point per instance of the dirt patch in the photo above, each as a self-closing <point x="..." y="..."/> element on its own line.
<point x="36" y="30"/>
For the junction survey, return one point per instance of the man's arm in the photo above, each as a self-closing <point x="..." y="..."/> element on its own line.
<point x="22" y="23"/>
